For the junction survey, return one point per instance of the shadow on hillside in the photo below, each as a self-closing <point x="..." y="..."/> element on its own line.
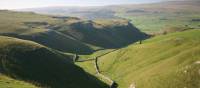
<point x="45" y="68"/>
<point x="55" y="41"/>
<point x="74" y="40"/>
<point x="108" y="37"/>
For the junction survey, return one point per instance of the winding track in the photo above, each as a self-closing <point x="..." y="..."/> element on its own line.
<point x="112" y="83"/>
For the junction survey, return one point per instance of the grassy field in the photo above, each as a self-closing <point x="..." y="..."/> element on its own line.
<point x="21" y="22"/>
<point x="167" y="61"/>
<point x="159" y="22"/>
<point x="158" y="17"/>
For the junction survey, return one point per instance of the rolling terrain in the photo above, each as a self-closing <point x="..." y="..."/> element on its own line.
<point x="35" y="27"/>
<point x="150" y="18"/>
<point x="158" y="17"/>
<point x="42" y="54"/>
<point x="130" y="46"/>
<point x="108" y="34"/>
<point x="68" y="34"/>
<point x="167" y="61"/>
<point x="41" y="66"/>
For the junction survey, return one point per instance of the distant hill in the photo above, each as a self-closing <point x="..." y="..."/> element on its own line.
<point x="150" y="18"/>
<point x="157" y="17"/>
<point x="69" y="34"/>
<point x="105" y="33"/>
<point x="31" y="26"/>
<point x="81" y="12"/>
<point x="167" y="61"/>
<point x="39" y="65"/>
<point x="98" y="11"/>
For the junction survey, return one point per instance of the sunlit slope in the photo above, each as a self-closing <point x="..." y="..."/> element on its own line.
<point x="32" y="62"/>
<point x="159" y="17"/>
<point x="6" y="82"/>
<point x="150" y="17"/>
<point x="69" y="34"/>
<point x="39" y="28"/>
<point x="167" y="61"/>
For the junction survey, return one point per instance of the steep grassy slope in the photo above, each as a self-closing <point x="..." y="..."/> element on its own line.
<point x="56" y="40"/>
<point x="35" y="27"/>
<point x="39" y="28"/>
<point x="167" y="61"/>
<point x="29" y="61"/>
<point x="7" y="82"/>
<point x="69" y="34"/>
<point x="107" y="34"/>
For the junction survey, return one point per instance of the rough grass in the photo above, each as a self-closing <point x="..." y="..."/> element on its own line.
<point x="32" y="62"/>
<point x="167" y="61"/>
<point x="18" y="20"/>
<point x="7" y="82"/>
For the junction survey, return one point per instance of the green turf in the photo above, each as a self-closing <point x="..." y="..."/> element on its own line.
<point x="167" y="61"/>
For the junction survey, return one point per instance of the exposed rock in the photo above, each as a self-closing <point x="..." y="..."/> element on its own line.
<point x="132" y="85"/>
<point x="197" y="62"/>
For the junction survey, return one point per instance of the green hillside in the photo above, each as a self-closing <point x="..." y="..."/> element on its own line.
<point x="56" y="40"/>
<point x="107" y="34"/>
<point x="150" y="18"/>
<point x="34" y="63"/>
<point x="166" y="61"/>
<point x="68" y="34"/>
<point x="35" y="27"/>
<point x="158" y="17"/>
<point x="7" y="82"/>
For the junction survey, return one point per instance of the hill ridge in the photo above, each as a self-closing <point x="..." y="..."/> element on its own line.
<point x="35" y="63"/>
